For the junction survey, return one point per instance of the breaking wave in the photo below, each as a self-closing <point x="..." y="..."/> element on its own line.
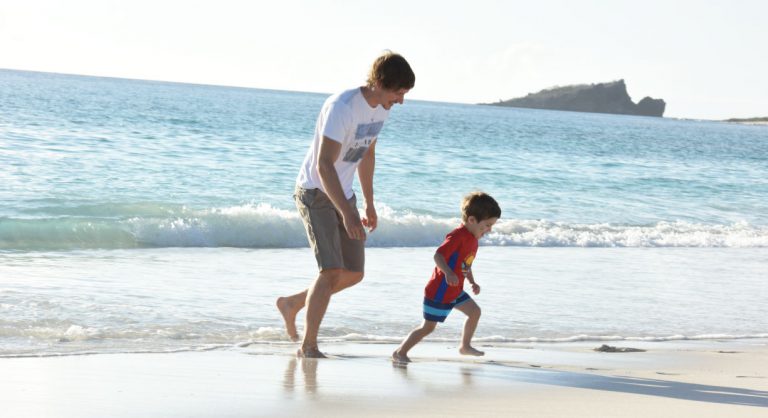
<point x="265" y="226"/>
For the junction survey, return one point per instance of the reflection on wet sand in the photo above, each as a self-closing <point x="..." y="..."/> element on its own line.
<point x="467" y="373"/>
<point x="308" y="372"/>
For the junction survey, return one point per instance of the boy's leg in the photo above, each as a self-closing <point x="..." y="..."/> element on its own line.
<point x="472" y="311"/>
<point x="426" y="328"/>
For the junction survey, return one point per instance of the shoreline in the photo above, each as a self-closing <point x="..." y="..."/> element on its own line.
<point x="686" y="378"/>
<point x="494" y="344"/>
<point x="756" y="123"/>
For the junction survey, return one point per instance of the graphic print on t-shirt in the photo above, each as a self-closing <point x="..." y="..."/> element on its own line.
<point x="368" y="130"/>
<point x="364" y="135"/>
<point x="467" y="264"/>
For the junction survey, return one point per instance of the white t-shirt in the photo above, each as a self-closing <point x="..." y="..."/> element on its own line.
<point x="346" y="118"/>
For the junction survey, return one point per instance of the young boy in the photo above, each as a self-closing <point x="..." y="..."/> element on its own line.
<point x="453" y="259"/>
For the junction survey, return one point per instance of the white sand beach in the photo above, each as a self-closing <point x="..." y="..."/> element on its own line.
<point x="669" y="379"/>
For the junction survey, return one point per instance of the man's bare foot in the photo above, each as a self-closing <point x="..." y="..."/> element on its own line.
<point x="470" y="351"/>
<point x="289" y="316"/>
<point x="313" y="352"/>
<point x="400" y="358"/>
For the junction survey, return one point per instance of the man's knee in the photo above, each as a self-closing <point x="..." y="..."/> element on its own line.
<point x="328" y="278"/>
<point x="330" y="275"/>
<point x="336" y="277"/>
<point x="350" y="278"/>
<point x="355" y="276"/>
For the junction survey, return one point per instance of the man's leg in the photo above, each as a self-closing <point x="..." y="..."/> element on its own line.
<point x="333" y="248"/>
<point x="318" y="296"/>
<point x="289" y="306"/>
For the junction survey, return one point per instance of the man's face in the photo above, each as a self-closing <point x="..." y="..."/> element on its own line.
<point x="390" y="97"/>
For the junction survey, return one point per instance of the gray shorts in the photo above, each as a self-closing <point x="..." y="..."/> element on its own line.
<point x="333" y="248"/>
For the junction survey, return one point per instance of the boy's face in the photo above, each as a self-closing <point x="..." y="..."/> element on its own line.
<point x="478" y="229"/>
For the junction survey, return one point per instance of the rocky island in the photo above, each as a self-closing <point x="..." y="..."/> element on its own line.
<point x="750" y="121"/>
<point x="597" y="98"/>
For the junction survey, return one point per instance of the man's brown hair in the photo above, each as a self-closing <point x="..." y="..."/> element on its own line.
<point x="392" y="72"/>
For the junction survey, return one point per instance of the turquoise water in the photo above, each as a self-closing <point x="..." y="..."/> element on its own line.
<point x="110" y="163"/>
<point x="614" y="228"/>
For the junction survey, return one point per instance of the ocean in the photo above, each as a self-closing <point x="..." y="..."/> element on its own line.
<point x="142" y="216"/>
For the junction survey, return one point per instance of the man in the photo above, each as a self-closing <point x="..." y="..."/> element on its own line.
<point x="345" y="139"/>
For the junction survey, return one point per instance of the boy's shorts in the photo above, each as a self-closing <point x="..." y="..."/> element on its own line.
<point x="437" y="312"/>
<point x="333" y="248"/>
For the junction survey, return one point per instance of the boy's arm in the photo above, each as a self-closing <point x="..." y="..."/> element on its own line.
<point x="471" y="279"/>
<point x="450" y="276"/>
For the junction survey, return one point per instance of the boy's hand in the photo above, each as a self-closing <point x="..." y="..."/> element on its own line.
<point x="475" y="288"/>
<point x="451" y="279"/>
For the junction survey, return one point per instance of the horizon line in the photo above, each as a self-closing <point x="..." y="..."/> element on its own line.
<point x="201" y="84"/>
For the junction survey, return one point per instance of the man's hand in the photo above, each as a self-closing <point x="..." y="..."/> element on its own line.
<point x="370" y="220"/>
<point x="353" y="225"/>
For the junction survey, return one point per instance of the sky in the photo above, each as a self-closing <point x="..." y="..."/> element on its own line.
<point x="706" y="59"/>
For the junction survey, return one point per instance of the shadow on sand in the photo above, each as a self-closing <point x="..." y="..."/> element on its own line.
<point x="622" y="384"/>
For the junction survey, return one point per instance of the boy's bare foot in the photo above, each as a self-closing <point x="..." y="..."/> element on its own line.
<point x="313" y="352"/>
<point x="289" y="316"/>
<point x="470" y="351"/>
<point x="400" y="358"/>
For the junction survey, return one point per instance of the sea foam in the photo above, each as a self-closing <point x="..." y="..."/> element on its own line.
<point x="265" y="226"/>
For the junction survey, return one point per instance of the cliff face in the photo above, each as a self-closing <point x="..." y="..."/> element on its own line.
<point x="598" y="98"/>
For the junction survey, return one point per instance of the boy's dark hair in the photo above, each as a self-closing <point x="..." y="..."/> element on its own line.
<point x="392" y="72"/>
<point x="480" y="205"/>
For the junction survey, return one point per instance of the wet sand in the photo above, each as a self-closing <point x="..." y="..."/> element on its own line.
<point x="687" y="378"/>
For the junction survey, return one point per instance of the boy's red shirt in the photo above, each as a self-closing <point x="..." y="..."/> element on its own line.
<point x="459" y="250"/>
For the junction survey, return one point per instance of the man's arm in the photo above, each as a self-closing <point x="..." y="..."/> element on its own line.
<point x="329" y="152"/>
<point x="365" y="174"/>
